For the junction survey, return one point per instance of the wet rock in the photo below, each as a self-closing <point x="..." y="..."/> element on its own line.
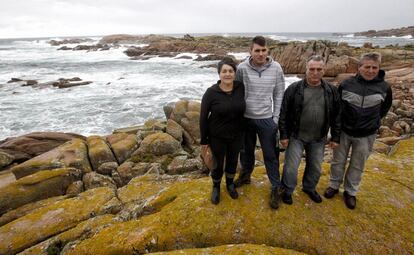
<point x="35" y="187"/>
<point x="65" y="48"/>
<point x="68" y="41"/>
<point x="14" y="80"/>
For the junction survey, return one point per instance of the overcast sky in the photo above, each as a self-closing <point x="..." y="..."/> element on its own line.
<point x="37" y="18"/>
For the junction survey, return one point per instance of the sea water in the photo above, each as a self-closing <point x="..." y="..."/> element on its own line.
<point x="123" y="92"/>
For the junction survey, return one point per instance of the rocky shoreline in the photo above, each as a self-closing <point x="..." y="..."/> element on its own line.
<point x="145" y="189"/>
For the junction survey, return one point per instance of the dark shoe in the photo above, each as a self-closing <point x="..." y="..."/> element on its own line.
<point x="231" y="189"/>
<point x="215" y="195"/>
<point x="241" y="180"/>
<point x="330" y="192"/>
<point x="274" y="199"/>
<point x="287" y="198"/>
<point x="314" y="196"/>
<point x="350" y="201"/>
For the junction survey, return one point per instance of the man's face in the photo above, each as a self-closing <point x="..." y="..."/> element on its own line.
<point x="314" y="72"/>
<point x="259" y="54"/>
<point x="368" y="69"/>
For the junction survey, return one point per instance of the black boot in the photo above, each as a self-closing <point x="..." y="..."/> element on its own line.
<point x="231" y="188"/>
<point x="242" y="179"/>
<point x="215" y="193"/>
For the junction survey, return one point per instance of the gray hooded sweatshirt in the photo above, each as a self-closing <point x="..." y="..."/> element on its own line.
<point x="264" y="88"/>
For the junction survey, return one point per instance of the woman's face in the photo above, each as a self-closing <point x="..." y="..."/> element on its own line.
<point x="227" y="74"/>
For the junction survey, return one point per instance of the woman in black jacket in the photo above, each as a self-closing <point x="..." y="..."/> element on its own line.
<point x="221" y="125"/>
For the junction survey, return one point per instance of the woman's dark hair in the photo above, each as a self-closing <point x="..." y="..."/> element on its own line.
<point x="227" y="61"/>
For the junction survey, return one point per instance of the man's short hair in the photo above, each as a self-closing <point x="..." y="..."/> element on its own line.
<point x="227" y="61"/>
<point x="375" y="56"/>
<point x="260" y="40"/>
<point x="317" y="58"/>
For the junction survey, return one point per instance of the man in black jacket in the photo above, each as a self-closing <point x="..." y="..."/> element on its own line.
<point x="365" y="99"/>
<point x="309" y="108"/>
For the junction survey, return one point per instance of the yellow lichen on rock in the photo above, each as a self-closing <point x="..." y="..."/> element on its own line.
<point x="70" y="154"/>
<point x="233" y="249"/>
<point x="51" y="220"/>
<point x="382" y="223"/>
<point x="37" y="186"/>
<point x="83" y="229"/>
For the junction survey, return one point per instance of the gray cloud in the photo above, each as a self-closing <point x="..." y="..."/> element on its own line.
<point x="32" y="18"/>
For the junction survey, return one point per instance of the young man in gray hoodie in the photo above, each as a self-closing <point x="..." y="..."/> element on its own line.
<point x="264" y="87"/>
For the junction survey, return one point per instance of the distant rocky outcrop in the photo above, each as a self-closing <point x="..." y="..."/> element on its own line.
<point x="69" y="41"/>
<point x="60" y="83"/>
<point x="403" y="31"/>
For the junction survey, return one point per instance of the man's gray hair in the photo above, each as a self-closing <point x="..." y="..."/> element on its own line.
<point x="316" y="58"/>
<point x="375" y="56"/>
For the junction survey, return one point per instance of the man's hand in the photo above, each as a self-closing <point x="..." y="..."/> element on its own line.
<point x="284" y="143"/>
<point x="333" y="145"/>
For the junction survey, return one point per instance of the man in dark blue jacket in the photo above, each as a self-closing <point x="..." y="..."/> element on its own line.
<point x="365" y="99"/>
<point x="310" y="108"/>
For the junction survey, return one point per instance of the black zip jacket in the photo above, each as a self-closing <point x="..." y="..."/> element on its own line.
<point x="221" y="114"/>
<point x="292" y="106"/>
<point x="363" y="104"/>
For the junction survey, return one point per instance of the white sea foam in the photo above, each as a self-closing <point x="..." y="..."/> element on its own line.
<point x="240" y="55"/>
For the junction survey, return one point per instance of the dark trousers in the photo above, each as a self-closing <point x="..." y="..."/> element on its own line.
<point x="228" y="150"/>
<point x="266" y="129"/>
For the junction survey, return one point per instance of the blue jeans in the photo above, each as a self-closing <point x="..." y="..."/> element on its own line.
<point x="266" y="129"/>
<point x="314" y="156"/>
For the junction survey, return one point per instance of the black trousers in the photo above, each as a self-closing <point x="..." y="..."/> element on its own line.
<point x="225" y="150"/>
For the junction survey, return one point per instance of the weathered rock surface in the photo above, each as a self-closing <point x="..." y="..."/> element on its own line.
<point x="159" y="144"/>
<point x="233" y="249"/>
<point x="123" y="145"/>
<point x="26" y="209"/>
<point x="388" y="32"/>
<point x="71" y="154"/>
<point x="84" y="229"/>
<point x="94" y="180"/>
<point x="27" y="146"/>
<point x="51" y="220"/>
<point x="99" y="152"/>
<point x="185" y="217"/>
<point x="40" y="185"/>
